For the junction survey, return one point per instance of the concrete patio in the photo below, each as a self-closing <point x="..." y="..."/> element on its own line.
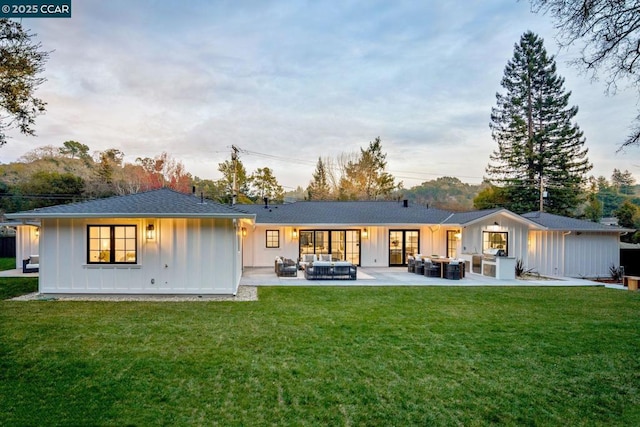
<point x="398" y="276"/>
<point x="382" y="276"/>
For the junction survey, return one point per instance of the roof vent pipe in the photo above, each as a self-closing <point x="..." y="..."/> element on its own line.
<point x="193" y="190"/>
<point x="405" y="203"/>
<point x="266" y="202"/>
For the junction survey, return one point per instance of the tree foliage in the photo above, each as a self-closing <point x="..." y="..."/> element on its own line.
<point x="320" y="187"/>
<point x="536" y="137"/>
<point x="21" y="62"/>
<point x="623" y="182"/>
<point x="593" y="209"/>
<point x="491" y="197"/>
<point x="366" y="178"/>
<point x="609" y="34"/>
<point x="75" y="149"/>
<point x="228" y="168"/>
<point x="264" y="184"/>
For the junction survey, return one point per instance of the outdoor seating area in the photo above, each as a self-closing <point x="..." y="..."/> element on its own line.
<point x="285" y="267"/>
<point x="327" y="270"/>
<point x="443" y="268"/>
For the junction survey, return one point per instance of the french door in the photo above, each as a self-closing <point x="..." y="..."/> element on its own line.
<point x="402" y="244"/>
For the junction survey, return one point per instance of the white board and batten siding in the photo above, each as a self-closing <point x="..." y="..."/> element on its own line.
<point x="591" y="254"/>
<point x="573" y="254"/>
<point x="187" y="256"/>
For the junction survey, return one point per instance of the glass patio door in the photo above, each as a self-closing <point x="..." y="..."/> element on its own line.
<point x="402" y="243"/>
<point x="341" y="244"/>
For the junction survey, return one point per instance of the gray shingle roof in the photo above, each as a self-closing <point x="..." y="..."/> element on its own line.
<point x="332" y="212"/>
<point x="557" y="222"/>
<point x="466" y="217"/>
<point x="162" y="203"/>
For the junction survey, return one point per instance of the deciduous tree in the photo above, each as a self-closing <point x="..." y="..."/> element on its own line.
<point x="609" y="34"/>
<point x="21" y="62"/>
<point x="365" y="178"/>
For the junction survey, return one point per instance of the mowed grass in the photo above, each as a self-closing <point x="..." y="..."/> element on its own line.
<point x="345" y="356"/>
<point x="7" y="263"/>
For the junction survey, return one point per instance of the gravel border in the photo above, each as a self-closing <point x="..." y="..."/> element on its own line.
<point x="245" y="293"/>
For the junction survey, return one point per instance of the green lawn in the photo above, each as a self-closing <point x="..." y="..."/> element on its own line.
<point x="7" y="264"/>
<point x="327" y="356"/>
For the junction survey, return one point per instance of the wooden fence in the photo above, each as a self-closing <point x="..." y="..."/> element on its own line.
<point x="8" y="247"/>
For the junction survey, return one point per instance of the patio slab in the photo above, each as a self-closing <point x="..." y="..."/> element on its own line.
<point x="397" y="276"/>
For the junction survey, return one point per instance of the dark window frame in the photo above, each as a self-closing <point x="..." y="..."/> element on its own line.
<point x="268" y="242"/>
<point x="112" y="243"/>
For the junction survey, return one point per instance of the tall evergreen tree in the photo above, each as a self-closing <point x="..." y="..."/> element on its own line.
<point x="539" y="147"/>
<point x="319" y="188"/>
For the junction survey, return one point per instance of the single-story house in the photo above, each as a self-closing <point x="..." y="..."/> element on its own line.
<point x="165" y="242"/>
<point x="156" y="242"/>
<point x="386" y="233"/>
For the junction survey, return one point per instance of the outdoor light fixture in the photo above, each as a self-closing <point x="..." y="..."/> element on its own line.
<point x="495" y="226"/>
<point x="365" y="234"/>
<point x="151" y="232"/>
<point x="37" y="232"/>
<point x="244" y="232"/>
<point x="457" y="235"/>
<point x="294" y="233"/>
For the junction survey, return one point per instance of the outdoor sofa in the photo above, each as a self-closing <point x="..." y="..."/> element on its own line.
<point x="31" y="264"/>
<point x="325" y="270"/>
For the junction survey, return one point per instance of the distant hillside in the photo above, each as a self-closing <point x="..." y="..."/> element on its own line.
<point x="444" y="193"/>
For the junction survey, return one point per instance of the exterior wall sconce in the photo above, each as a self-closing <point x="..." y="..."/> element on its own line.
<point x="365" y="233"/>
<point x="151" y="232"/>
<point x="458" y="235"/>
<point x="244" y="232"/>
<point x="494" y="227"/>
<point x="37" y="232"/>
<point x="294" y="233"/>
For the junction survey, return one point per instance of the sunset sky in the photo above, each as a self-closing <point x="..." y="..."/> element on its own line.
<point x="290" y="81"/>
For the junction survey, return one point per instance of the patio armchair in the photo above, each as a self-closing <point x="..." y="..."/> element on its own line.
<point x="286" y="268"/>
<point x="419" y="266"/>
<point x="432" y="269"/>
<point x="411" y="264"/>
<point x="453" y="271"/>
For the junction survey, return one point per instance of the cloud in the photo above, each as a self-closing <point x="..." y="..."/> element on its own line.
<point x="298" y="80"/>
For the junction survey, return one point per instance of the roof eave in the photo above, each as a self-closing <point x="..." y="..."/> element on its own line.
<point x="32" y="215"/>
